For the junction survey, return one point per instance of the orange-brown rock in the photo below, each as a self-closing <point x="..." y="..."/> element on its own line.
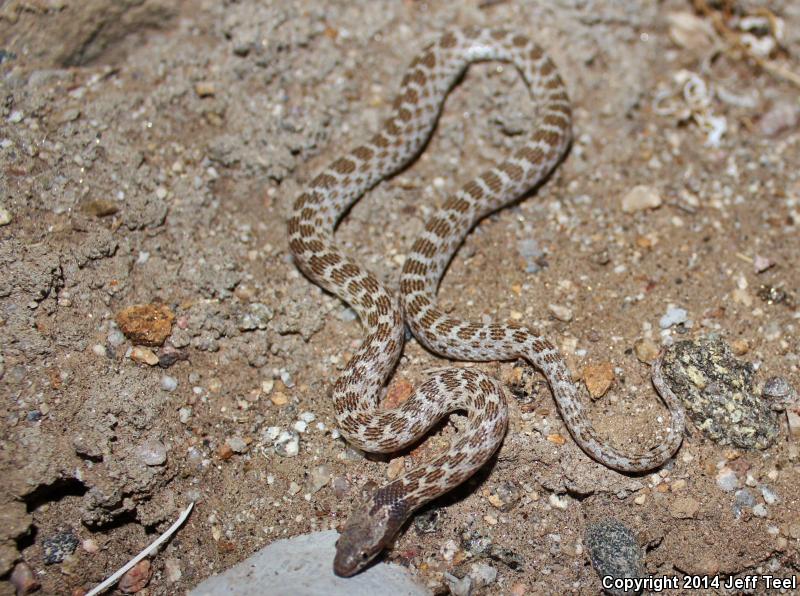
<point x="146" y="324"/>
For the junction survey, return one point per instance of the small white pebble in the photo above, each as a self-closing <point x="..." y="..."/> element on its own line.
<point x="770" y="497"/>
<point x="169" y="383"/>
<point x="185" y="414"/>
<point x="674" y="316"/>
<point x="760" y="511"/>
<point x="300" y="426"/>
<point x="558" y="502"/>
<point x="5" y="216"/>
<point x="640" y="198"/>
<point x="562" y="313"/>
<point x="727" y="480"/>
<point x="99" y="350"/>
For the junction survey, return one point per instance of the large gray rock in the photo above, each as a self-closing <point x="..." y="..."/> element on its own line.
<point x="303" y="565"/>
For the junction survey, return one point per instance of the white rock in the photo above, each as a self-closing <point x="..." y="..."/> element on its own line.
<point x="674" y="316"/>
<point x="5" y="216"/>
<point x="640" y="198"/>
<point x="237" y="444"/>
<point x="727" y="480"/>
<point x="302" y="565"/>
<point x="152" y="453"/>
<point x="562" y="313"/>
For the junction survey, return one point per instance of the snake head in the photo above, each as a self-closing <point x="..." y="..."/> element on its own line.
<point x="368" y="530"/>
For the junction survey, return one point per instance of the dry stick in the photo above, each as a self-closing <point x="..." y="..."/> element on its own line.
<point x="158" y="542"/>
<point x="733" y="40"/>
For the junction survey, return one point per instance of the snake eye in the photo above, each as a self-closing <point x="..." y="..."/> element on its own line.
<point x="364" y="555"/>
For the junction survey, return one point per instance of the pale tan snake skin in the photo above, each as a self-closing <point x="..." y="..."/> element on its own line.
<point x="372" y="525"/>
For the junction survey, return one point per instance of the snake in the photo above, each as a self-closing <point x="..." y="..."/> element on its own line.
<point x="356" y="393"/>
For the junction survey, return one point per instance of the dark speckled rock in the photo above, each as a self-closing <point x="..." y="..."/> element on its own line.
<point x="58" y="547"/>
<point x="717" y="392"/>
<point x="614" y="551"/>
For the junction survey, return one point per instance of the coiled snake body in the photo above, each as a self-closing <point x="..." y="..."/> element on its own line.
<point x="316" y="212"/>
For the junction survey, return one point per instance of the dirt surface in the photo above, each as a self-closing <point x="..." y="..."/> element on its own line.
<point x="150" y="155"/>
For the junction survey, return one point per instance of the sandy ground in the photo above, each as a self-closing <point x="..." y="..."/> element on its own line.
<point x="149" y="154"/>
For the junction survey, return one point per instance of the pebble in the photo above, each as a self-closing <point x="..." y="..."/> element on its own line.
<point x="613" y="550"/>
<point x="136" y="578"/>
<point x="646" y="350"/>
<point x="172" y="569"/>
<point x="294" y="488"/>
<point x="238" y="444"/>
<point x="224" y="452"/>
<point x="59" y="546"/>
<point x="5" y="216"/>
<point x="169" y="383"/>
<point x="505" y="496"/>
<point x="23" y="579"/>
<point x="794" y="530"/>
<point x="483" y="574"/>
<point x="740" y="347"/>
<point x="16" y="117"/>
<point x="205" y="88"/>
<point x="395" y="468"/>
<point x="90" y="546"/>
<point x="319" y="477"/>
<point x="458" y="586"/>
<point x="760" y="511"/>
<point x="558" y="502"/>
<point x="302" y="565"/>
<point x="300" y="426"/>
<point x="684" y="508"/>
<point x="689" y="31"/>
<point x="144" y="356"/>
<point x="673" y="316"/>
<point x="717" y="392"/>
<point x="782" y="116"/>
<point x="779" y="390"/>
<point x="115" y="337"/>
<point x="793" y="418"/>
<point x="184" y="414"/>
<point x="279" y="398"/>
<point x="598" y="378"/>
<point x="640" y="499"/>
<point x="562" y="313"/>
<point x="761" y="264"/>
<point x="678" y="485"/>
<point x="100" y="207"/>
<point x="99" y="350"/>
<point x="727" y="480"/>
<point x="146" y="324"/>
<point x="347" y="315"/>
<point x="769" y="495"/>
<point x="152" y="453"/>
<point x="530" y="250"/>
<point x="743" y="498"/>
<point x="287" y="444"/>
<point x="640" y="198"/>
<point x="340" y="487"/>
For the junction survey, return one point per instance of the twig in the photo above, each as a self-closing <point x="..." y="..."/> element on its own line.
<point x="158" y="542"/>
